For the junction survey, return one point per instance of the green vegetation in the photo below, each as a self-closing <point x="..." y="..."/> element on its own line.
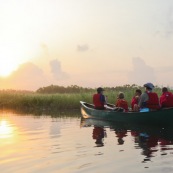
<point x="56" y="98"/>
<point x="52" y="89"/>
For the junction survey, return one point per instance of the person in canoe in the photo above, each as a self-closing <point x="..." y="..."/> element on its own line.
<point x="121" y="102"/>
<point x="166" y="99"/>
<point x="149" y="100"/>
<point x="99" y="99"/>
<point x="135" y="100"/>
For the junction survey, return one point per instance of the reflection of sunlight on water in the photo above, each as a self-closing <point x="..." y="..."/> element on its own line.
<point x="6" y="130"/>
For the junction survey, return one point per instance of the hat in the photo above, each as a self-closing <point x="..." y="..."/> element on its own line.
<point x="149" y="85"/>
<point x="100" y="89"/>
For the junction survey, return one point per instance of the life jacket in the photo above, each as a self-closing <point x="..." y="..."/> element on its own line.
<point x="166" y="99"/>
<point x="97" y="102"/>
<point x="133" y="102"/>
<point x="122" y="103"/>
<point x="153" y="101"/>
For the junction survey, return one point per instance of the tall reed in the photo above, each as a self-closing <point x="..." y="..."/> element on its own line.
<point x="43" y="101"/>
<point x="55" y="101"/>
<point x="65" y="99"/>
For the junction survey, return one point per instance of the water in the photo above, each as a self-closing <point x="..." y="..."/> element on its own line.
<point x="34" y="144"/>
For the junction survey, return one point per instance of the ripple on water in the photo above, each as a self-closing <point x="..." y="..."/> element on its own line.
<point x="46" y="144"/>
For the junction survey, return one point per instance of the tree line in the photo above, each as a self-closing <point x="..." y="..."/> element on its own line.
<point x="77" y="89"/>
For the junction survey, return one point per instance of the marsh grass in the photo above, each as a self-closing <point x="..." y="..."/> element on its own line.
<point x="59" y="102"/>
<point x="43" y="101"/>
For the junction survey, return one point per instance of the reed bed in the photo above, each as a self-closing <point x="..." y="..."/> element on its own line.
<point x="37" y="101"/>
<point x="43" y="101"/>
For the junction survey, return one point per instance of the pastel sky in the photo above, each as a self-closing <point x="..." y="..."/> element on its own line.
<point x="88" y="43"/>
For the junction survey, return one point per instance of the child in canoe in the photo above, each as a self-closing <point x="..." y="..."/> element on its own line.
<point x="121" y="102"/>
<point x="135" y="100"/>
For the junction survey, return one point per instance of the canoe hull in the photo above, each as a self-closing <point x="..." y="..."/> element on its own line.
<point x="154" y="117"/>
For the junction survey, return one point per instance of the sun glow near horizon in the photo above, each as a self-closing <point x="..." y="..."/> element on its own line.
<point x="21" y="34"/>
<point x="8" y="63"/>
<point x="12" y="57"/>
<point x="15" y="51"/>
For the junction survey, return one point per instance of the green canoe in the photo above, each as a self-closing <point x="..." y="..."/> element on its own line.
<point x="163" y="116"/>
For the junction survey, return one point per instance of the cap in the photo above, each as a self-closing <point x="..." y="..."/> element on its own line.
<point x="149" y="85"/>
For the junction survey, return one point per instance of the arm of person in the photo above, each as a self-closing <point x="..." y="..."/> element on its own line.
<point x="103" y="99"/>
<point x="143" y="98"/>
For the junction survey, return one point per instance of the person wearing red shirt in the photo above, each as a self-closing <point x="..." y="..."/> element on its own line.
<point x="166" y="99"/>
<point x="149" y="100"/>
<point x="121" y="102"/>
<point x="99" y="99"/>
<point x="135" y="100"/>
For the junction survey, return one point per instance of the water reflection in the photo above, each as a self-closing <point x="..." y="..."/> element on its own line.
<point x="99" y="133"/>
<point x="147" y="143"/>
<point x="6" y="130"/>
<point x="151" y="140"/>
<point x="58" y="144"/>
<point x="120" y="134"/>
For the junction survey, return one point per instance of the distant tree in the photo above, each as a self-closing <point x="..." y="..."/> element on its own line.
<point x="61" y="89"/>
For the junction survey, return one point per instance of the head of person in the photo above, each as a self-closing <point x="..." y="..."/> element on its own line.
<point x="149" y="86"/>
<point x="138" y="92"/>
<point x="99" y="90"/>
<point x="164" y="89"/>
<point x="120" y="95"/>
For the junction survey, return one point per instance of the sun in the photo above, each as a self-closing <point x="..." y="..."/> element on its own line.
<point x="9" y="61"/>
<point x="11" y="58"/>
<point x="6" y="70"/>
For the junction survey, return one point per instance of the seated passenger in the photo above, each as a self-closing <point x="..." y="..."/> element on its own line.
<point x="149" y="100"/>
<point x="121" y="102"/>
<point x="166" y="99"/>
<point x="135" y="100"/>
<point x="99" y="99"/>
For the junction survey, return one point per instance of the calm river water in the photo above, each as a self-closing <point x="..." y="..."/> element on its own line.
<point x="63" y="144"/>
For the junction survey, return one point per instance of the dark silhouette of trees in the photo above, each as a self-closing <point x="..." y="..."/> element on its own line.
<point x="61" y="89"/>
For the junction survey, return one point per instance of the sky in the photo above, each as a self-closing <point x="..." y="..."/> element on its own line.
<point x="89" y="43"/>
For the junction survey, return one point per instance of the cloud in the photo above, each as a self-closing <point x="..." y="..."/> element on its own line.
<point x="166" y="28"/>
<point x="141" y="72"/>
<point x="169" y="26"/>
<point x="45" y="49"/>
<point x="164" y="74"/>
<point x="30" y="77"/>
<point x="56" y="70"/>
<point x="27" y="77"/>
<point x="82" y="48"/>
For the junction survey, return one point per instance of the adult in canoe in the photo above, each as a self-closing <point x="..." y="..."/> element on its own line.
<point x="99" y="100"/>
<point x="149" y="100"/>
<point x="166" y="99"/>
